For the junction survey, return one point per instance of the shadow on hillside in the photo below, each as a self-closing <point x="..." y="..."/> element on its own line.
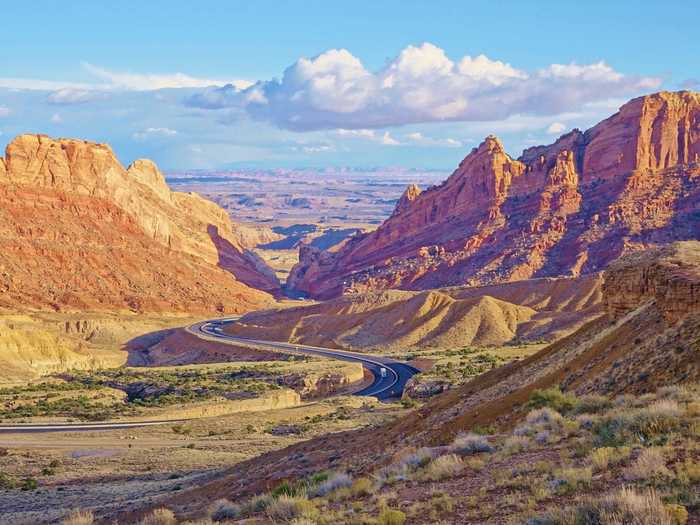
<point x="139" y="347"/>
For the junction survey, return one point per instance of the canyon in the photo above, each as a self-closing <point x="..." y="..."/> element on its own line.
<point x="566" y="209"/>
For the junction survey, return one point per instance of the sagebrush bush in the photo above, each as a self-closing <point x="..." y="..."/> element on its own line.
<point x="335" y="481"/>
<point x="603" y="457"/>
<point x="592" y="404"/>
<point x="443" y="467"/>
<point x="391" y="517"/>
<point x="362" y="487"/>
<point x="79" y="517"/>
<point x="286" y="508"/>
<point x="257" y="503"/>
<point x="223" y="509"/>
<point x="467" y="444"/>
<point x="514" y="444"/>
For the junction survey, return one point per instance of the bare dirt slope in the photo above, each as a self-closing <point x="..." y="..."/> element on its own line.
<point x="490" y="315"/>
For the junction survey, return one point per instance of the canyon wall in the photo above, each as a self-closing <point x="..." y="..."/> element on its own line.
<point x="570" y="208"/>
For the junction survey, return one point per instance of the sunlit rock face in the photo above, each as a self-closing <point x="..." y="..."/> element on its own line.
<point x="570" y="208"/>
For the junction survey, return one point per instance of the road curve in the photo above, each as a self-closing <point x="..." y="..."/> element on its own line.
<point x="389" y="386"/>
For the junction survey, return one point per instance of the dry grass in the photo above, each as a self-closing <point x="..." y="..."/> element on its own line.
<point x="79" y="517"/>
<point x="467" y="444"/>
<point x="287" y="508"/>
<point x="160" y="516"/>
<point x="604" y="457"/>
<point x="447" y="466"/>
<point x="649" y="465"/>
<point x="223" y="509"/>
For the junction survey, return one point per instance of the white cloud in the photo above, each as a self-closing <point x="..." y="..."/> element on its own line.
<point x="422" y="84"/>
<point x="56" y="118"/>
<point x="388" y="140"/>
<point x="154" y="132"/>
<point x="4" y="111"/>
<point x="556" y="128"/>
<point x="369" y="134"/>
<point x="418" y="138"/>
<point x="149" y="82"/>
<point x="69" y="95"/>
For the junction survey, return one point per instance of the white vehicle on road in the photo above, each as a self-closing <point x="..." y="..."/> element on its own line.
<point x="382" y="372"/>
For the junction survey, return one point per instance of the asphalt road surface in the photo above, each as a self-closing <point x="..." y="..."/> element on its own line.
<point x="386" y="385"/>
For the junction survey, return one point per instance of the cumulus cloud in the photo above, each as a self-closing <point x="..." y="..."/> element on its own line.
<point x="422" y="84"/>
<point x="154" y="132"/>
<point x="555" y="128"/>
<point x="149" y="82"/>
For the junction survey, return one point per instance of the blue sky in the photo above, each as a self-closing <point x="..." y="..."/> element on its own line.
<point x="332" y="83"/>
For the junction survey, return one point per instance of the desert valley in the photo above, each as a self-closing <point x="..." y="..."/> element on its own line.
<point x="515" y="341"/>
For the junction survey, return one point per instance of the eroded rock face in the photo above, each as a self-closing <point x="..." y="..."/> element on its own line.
<point x="570" y="208"/>
<point x="668" y="276"/>
<point x="83" y="232"/>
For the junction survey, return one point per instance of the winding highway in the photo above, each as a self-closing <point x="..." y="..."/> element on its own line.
<point x="386" y="385"/>
<point x="390" y="376"/>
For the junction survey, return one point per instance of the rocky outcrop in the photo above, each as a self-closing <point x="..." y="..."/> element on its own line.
<point x="570" y="208"/>
<point x="82" y="232"/>
<point x="668" y="277"/>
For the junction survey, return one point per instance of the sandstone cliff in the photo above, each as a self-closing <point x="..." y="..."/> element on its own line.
<point x="81" y="232"/>
<point x="569" y="208"/>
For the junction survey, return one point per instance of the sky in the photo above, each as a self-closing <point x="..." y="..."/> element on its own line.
<point x="229" y="84"/>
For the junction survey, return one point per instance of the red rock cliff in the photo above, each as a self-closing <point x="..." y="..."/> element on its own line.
<point x="572" y="207"/>
<point x="81" y="232"/>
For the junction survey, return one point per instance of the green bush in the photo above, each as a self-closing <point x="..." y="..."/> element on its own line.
<point x="553" y="398"/>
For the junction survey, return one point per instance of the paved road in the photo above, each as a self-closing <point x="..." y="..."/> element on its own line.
<point x="81" y="427"/>
<point x="388" y="385"/>
<point x="385" y="386"/>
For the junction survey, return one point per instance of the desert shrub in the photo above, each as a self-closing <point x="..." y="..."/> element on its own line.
<point x="391" y="517"/>
<point x="678" y="513"/>
<point x="257" y="504"/>
<point x="621" y="508"/>
<point x="286" y="508"/>
<point x="688" y="471"/>
<point x="223" y="509"/>
<point x="7" y="481"/>
<point x="645" y="425"/>
<point x="442" y="503"/>
<point x="362" y="487"/>
<point x="553" y="398"/>
<point x="593" y="404"/>
<point x="567" y="480"/>
<point x="544" y="421"/>
<point x="649" y="465"/>
<point x="417" y="459"/>
<point x="603" y="457"/>
<point x="160" y="516"/>
<point x="28" y="484"/>
<point x="334" y="482"/>
<point x="79" y="517"/>
<point x="467" y="444"/>
<point x="514" y="444"/>
<point x="443" y="467"/>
